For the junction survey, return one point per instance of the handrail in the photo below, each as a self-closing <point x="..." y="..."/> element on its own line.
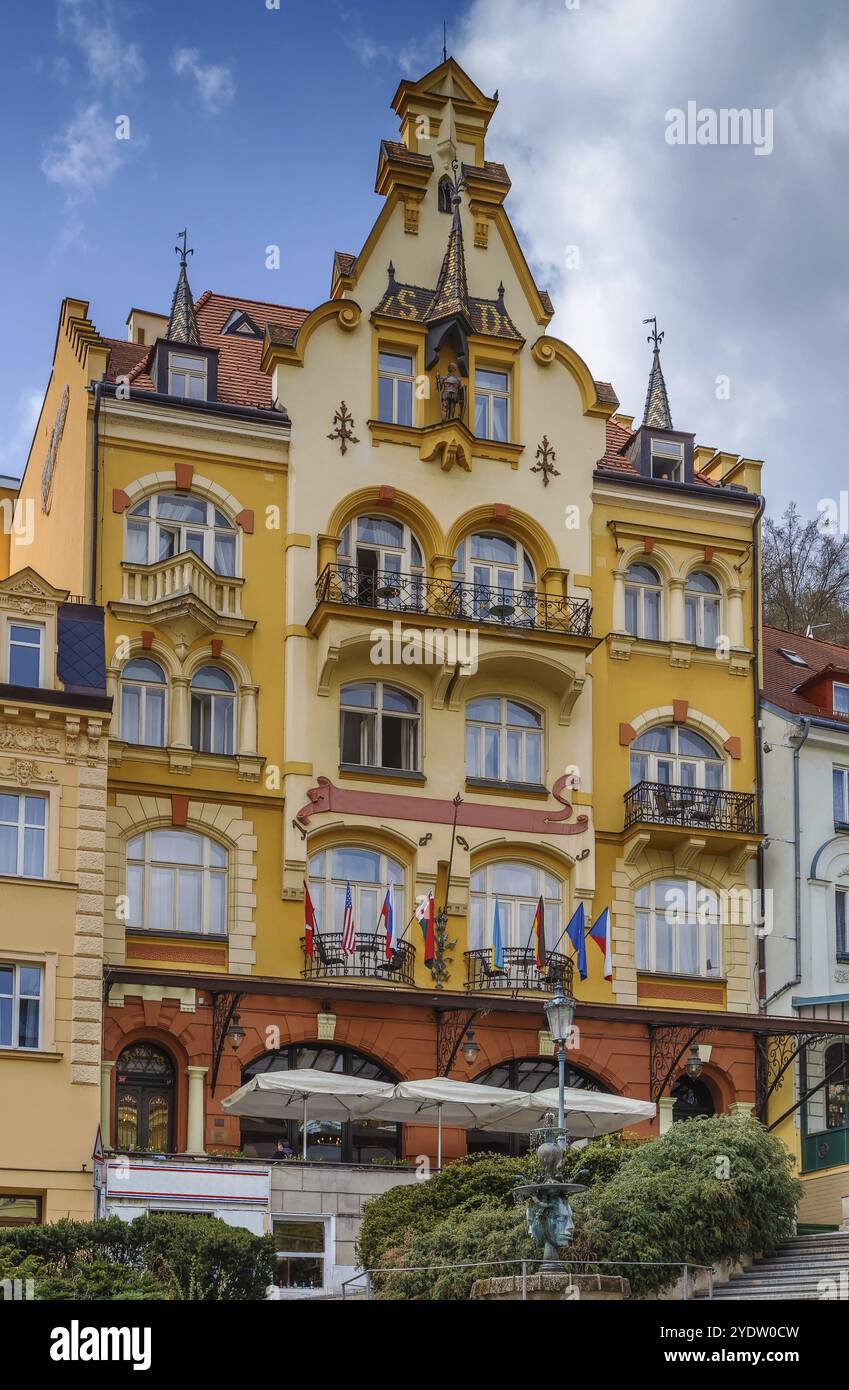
<point x="684" y="1265"/>
<point x="705" y="808"/>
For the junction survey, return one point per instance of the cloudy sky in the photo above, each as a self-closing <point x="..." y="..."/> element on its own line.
<point x="257" y="122"/>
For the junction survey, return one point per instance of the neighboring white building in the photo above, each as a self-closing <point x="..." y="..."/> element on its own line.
<point x="805" y="729"/>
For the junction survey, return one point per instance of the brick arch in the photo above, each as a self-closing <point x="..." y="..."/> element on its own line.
<point x="698" y="721"/>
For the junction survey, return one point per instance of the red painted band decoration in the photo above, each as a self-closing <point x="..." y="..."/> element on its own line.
<point x="328" y="797"/>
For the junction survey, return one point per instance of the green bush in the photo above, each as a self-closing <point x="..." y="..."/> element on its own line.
<point x="180" y="1257"/>
<point x="464" y="1237"/>
<point x="670" y="1202"/>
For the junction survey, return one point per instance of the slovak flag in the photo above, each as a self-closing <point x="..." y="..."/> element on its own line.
<point x="424" y="917"/>
<point x="600" y="933"/>
<point x="310" y="923"/>
<point x="387" y="917"/>
<point x="349" y="930"/>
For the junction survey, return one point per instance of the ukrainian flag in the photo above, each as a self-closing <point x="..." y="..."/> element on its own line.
<point x="497" y="955"/>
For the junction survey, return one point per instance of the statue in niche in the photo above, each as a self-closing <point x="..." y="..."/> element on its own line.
<point x="452" y="393"/>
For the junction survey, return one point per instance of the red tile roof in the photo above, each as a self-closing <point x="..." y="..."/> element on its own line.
<point x="618" y="440"/>
<point x="240" y="379"/>
<point x="782" y="677"/>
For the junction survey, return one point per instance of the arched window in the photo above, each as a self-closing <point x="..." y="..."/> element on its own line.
<point x="701" y="609"/>
<point x="382" y="563"/>
<point x="213" y="711"/>
<point x="676" y="756"/>
<point x="331" y="1141"/>
<point x="692" y="1099"/>
<point x="144" y="1099"/>
<point x="176" y="523"/>
<point x="836" y="1067"/>
<point x="379" y="726"/>
<point x="143" y="689"/>
<point x="500" y="578"/>
<point x="678" y="928"/>
<point x="369" y="873"/>
<point x="524" y="1074"/>
<point x="503" y="741"/>
<point x="177" y="881"/>
<point x="445" y="194"/>
<point x="642" y="602"/>
<point x="518" y="888"/>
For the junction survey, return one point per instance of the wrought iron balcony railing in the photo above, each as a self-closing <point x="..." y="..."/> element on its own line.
<point x="701" y="808"/>
<point x="394" y="592"/>
<point x="368" y="962"/>
<point x="519" y="971"/>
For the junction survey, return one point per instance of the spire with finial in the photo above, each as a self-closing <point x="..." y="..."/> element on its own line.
<point x="451" y="297"/>
<point x="444" y="42"/>
<point x="182" y="325"/>
<point x="657" y="413"/>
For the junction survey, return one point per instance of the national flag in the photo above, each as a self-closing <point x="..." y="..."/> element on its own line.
<point x="387" y="917"/>
<point x="425" y="919"/>
<point x="600" y="933"/>
<point x="496" y="959"/>
<point x="349" y="930"/>
<point x="310" y="923"/>
<point x="575" y="933"/>
<point x="539" y="934"/>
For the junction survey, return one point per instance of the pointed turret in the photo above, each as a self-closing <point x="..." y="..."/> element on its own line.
<point x="182" y="325"/>
<point x="657" y="413"/>
<point x="451" y="297"/>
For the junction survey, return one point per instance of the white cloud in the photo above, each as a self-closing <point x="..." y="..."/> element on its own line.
<point x="215" y="86"/>
<point x="17" y="438"/>
<point x="111" y="60"/>
<point x="86" y="155"/>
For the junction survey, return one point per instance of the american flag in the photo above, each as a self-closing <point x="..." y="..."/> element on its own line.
<point x="349" y="929"/>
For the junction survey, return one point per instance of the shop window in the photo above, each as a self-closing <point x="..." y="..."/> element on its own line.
<point x="301" y="1250"/>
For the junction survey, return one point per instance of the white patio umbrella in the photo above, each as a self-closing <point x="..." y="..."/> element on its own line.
<point x="306" y="1094"/>
<point x="588" y="1113"/>
<point x="439" y="1100"/>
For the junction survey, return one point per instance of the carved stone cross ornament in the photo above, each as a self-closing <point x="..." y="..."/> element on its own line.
<point x="545" y="461"/>
<point x="343" y="421"/>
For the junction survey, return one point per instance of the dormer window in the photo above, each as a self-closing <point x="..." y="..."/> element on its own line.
<point x="840" y="703"/>
<point x="25" y="654"/>
<point x="667" y="460"/>
<point x="187" y="376"/>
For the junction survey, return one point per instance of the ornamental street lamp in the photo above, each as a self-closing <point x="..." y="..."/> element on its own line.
<point x="471" y="1047"/>
<point x="559" y="1014"/>
<point x="236" y="1033"/>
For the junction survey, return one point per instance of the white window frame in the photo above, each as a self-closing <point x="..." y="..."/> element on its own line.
<point x="489" y="394"/>
<point x="217" y="700"/>
<point x="11" y="642"/>
<point x="378" y="713"/>
<point x="325" y="888"/>
<point x="143" y="686"/>
<point x="841" y="896"/>
<point x="388" y="374"/>
<point x="514" y="934"/>
<point x="22" y="826"/>
<point x="699" y="600"/>
<point x="841" y="774"/>
<point x="537" y="732"/>
<point x="189" y="373"/>
<point x="668" y="450"/>
<point x="327" y="1256"/>
<point x="677" y="758"/>
<point x="139" y="921"/>
<point x="210" y="528"/>
<point x="839" y="685"/>
<point x="646" y="919"/>
<point x="639" y="588"/>
<point x="16" y="966"/>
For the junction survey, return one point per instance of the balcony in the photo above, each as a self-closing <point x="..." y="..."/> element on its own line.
<point x="368" y="961"/>
<point x="185" y="592"/>
<point x="446" y="599"/>
<point x="692" y="808"/>
<point x="518" y="973"/>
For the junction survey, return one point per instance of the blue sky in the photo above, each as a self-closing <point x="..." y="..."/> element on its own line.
<point x="255" y="126"/>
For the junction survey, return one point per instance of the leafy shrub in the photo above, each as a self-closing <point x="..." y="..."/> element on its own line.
<point x="179" y="1257"/>
<point x="487" y="1234"/>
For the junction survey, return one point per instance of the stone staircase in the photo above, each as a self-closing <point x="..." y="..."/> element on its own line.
<point x="795" y="1272"/>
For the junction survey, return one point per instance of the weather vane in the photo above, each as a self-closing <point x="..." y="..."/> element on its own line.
<point x="654" y="337"/>
<point x="182" y="252"/>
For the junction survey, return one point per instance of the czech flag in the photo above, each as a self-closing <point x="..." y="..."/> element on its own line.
<point x="424" y="917"/>
<point x="539" y="934"/>
<point x="600" y="933"/>
<point x="575" y="933"/>
<point x="387" y="917"/>
<point x="497" y="954"/>
<point x="310" y="923"/>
